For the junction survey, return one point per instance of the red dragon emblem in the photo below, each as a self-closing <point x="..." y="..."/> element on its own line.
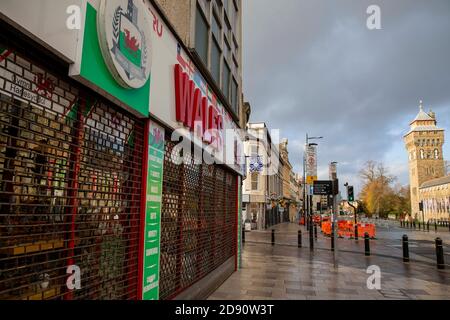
<point x="131" y="42"/>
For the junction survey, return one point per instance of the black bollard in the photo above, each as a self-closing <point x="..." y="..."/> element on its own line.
<point x="366" y="244"/>
<point x="435" y="226"/>
<point x="428" y="226"/>
<point x="448" y="225"/>
<point x="243" y="235"/>
<point x="419" y="224"/>
<point x="401" y="224"/>
<point x="332" y="240"/>
<point x="273" y="236"/>
<point x="356" y="232"/>
<point x="315" y="231"/>
<point x="299" y="238"/>
<point x="439" y="254"/>
<point x="405" y="248"/>
<point x="414" y="225"/>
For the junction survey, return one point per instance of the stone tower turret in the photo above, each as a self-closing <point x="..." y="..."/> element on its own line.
<point x="424" y="143"/>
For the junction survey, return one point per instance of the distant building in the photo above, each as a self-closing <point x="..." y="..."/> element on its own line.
<point x="428" y="181"/>
<point x="262" y="188"/>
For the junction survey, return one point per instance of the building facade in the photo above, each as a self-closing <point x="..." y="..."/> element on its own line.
<point x="435" y="196"/>
<point x="262" y="186"/>
<point x="104" y="133"/>
<point x="212" y="29"/>
<point x="288" y="206"/>
<point x="424" y="144"/>
<point x="296" y="196"/>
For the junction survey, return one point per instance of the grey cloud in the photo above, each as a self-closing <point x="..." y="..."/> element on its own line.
<point x="313" y="66"/>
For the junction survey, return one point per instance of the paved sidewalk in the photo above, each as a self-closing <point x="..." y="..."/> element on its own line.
<point x="388" y="242"/>
<point x="286" y="272"/>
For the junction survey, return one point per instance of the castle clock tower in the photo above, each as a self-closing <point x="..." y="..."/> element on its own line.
<point x="424" y="143"/>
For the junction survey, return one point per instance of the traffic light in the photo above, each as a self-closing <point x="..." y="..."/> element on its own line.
<point x="351" y="195"/>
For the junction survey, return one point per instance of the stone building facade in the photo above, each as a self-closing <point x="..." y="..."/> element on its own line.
<point x="435" y="195"/>
<point x="262" y="188"/>
<point x="424" y="144"/>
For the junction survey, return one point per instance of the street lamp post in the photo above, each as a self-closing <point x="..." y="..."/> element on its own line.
<point x="334" y="220"/>
<point x="306" y="202"/>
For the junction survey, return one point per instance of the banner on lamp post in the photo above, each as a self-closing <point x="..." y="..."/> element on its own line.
<point x="311" y="164"/>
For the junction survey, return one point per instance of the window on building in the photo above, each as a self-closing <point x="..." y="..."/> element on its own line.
<point x="253" y="151"/>
<point x="436" y="153"/>
<point x="215" y="61"/>
<point x="233" y="16"/>
<point x="201" y="36"/>
<point x="234" y="96"/>
<point x="226" y="80"/>
<point x="226" y="4"/>
<point x="255" y="177"/>
<point x="227" y="50"/>
<point x="216" y="29"/>
<point x="235" y="47"/>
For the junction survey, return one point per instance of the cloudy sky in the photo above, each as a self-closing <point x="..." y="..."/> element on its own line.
<point x="313" y="66"/>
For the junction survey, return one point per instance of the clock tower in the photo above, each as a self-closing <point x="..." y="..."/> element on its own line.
<point x="424" y="143"/>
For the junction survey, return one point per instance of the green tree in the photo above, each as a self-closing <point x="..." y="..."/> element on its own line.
<point x="378" y="194"/>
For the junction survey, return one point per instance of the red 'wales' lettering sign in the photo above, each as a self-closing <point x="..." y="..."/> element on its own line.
<point x="193" y="110"/>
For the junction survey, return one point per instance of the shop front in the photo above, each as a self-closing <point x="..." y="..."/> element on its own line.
<point x="200" y="208"/>
<point x="70" y="184"/>
<point x="95" y="202"/>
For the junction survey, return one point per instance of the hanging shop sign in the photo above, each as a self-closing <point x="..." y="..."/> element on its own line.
<point x="115" y="52"/>
<point x="152" y="235"/>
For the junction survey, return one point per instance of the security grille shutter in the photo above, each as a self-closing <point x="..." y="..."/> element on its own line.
<point x="70" y="188"/>
<point x="198" y="221"/>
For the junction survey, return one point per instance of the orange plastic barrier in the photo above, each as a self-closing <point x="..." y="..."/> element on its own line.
<point x="326" y="228"/>
<point x="346" y="229"/>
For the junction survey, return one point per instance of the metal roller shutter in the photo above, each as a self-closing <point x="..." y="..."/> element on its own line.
<point x="198" y="227"/>
<point x="70" y="188"/>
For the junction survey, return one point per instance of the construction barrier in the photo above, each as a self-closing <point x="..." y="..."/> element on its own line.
<point x="346" y="229"/>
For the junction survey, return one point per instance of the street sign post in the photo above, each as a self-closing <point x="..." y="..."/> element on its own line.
<point x="322" y="188"/>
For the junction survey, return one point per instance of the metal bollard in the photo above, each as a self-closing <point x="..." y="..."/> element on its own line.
<point x="448" y="226"/>
<point x="332" y="240"/>
<point x="243" y="235"/>
<point x="439" y="254"/>
<point x="366" y="244"/>
<point x="311" y="238"/>
<point x="299" y="238"/>
<point x="435" y="226"/>
<point x="414" y="225"/>
<point x="428" y="226"/>
<point x="356" y="232"/>
<point x="405" y="248"/>
<point x="419" y="224"/>
<point x="273" y="236"/>
<point x="315" y="231"/>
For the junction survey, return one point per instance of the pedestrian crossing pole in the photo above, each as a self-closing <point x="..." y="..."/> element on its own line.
<point x="334" y="224"/>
